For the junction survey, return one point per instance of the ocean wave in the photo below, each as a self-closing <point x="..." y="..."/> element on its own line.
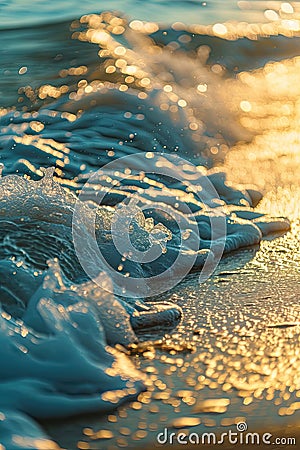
<point x="55" y="332"/>
<point x="165" y="122"/>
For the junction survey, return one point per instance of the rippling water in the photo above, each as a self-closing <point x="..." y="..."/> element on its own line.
<point x="168" y="87"/>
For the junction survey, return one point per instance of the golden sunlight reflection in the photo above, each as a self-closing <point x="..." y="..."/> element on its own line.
<point x="271" y="159"/>
<point x="264" y="101"/>
<point x="242" y="349"/>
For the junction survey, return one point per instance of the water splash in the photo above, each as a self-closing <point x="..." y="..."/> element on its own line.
<point x="145" y="92"/>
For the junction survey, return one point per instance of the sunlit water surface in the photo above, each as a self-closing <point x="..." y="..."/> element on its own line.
<point x="80" y="87"/>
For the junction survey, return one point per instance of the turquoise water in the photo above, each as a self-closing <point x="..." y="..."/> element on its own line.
<point x="18" y="13"/>
<point x="111" y="128"/>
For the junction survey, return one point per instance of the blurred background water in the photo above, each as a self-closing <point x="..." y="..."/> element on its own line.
<point x="50" y="50"/>
<point x="17" y="13"/>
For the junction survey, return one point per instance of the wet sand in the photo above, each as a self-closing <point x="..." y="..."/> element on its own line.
<point x="239" y="338"/>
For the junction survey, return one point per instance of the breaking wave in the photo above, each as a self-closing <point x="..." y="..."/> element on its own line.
<point x="163" y="100"/>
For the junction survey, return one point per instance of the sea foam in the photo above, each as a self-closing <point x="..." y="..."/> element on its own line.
<point x="59" y="327"/>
